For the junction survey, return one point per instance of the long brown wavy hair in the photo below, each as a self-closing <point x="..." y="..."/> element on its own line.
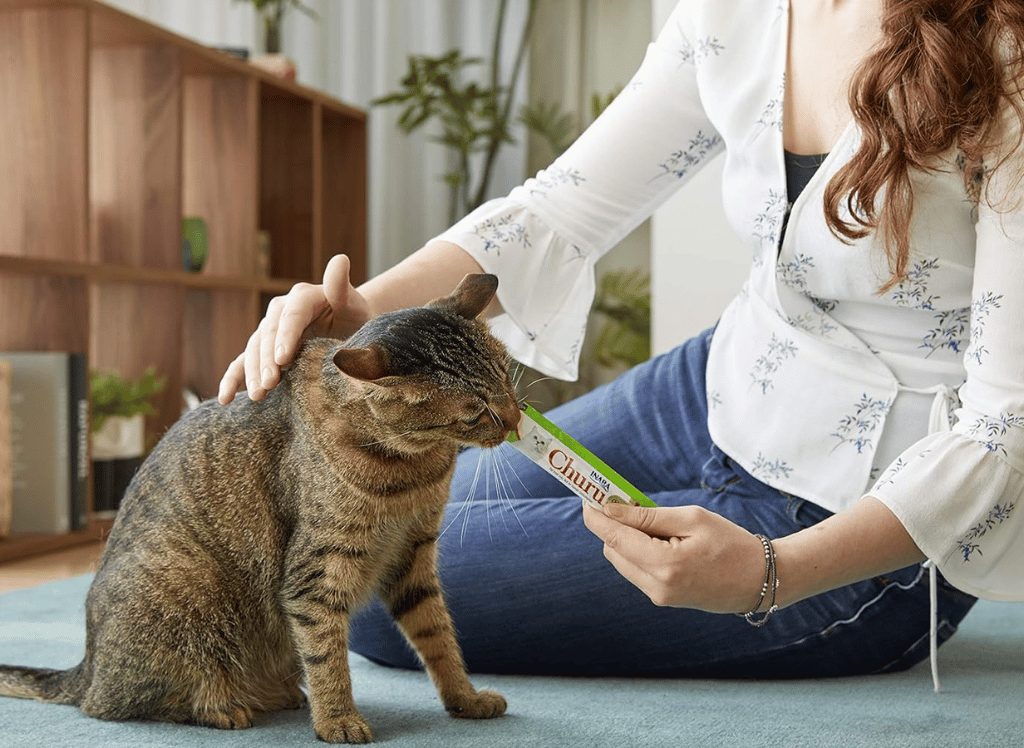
<point x="941" y="78"/>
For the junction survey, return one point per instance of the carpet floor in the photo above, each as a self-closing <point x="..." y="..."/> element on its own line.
<point x="982" y="702"/>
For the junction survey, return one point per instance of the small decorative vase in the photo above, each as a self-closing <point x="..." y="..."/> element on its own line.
<point x="117" y="451"/>
<point x="193" y="244"/>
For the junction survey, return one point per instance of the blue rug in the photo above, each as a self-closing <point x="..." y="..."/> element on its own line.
<point x="982" y="703"/>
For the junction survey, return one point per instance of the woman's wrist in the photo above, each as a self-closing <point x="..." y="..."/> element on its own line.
<point x="766" y="604"/>
<point x="863" y="541"/>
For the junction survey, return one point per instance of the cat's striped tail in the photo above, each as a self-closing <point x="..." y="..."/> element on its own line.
<point x="42" y="684"/>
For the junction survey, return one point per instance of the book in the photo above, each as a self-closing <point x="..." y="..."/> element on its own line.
<point x="49" y="405"/>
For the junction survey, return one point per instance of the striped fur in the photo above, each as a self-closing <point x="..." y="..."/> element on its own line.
<point x="252" y="532"/>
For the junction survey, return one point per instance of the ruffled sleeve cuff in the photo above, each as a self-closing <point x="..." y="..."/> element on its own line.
<point x="961" y="503"/>
<point x="545" y="283"/>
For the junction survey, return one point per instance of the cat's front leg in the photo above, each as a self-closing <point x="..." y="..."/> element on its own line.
<point x="319" y="621"/>
<point x="414" y="597"/>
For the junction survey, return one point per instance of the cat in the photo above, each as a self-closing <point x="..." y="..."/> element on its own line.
<point x="253" y="530"/>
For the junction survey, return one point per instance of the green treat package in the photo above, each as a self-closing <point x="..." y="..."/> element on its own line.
<point x="572" y="463"/>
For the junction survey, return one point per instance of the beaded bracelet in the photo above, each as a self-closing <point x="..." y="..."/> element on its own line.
<point x="770" y="585"/>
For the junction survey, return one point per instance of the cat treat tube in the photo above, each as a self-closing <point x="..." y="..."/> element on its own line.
<point x="571" y="463"/>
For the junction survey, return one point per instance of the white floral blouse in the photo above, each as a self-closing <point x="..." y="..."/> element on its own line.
<point x="817" y="384"/>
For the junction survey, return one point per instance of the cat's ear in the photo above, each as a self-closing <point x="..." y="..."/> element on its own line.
<point x="471" y="296"/>
<point x="367" y="364"/>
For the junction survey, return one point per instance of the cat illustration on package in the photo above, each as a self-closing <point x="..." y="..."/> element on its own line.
<point x="254" y="530"/>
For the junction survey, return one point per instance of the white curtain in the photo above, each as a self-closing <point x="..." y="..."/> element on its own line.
<point x="356" y="52"/>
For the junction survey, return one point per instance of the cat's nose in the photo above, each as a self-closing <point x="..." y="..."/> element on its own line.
<point x="509" y="413"/>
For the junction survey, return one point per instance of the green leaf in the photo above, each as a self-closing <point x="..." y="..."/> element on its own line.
<point x="557" y="128"/>
<point x="112" y="395"/>
<point x="598" y="103"/>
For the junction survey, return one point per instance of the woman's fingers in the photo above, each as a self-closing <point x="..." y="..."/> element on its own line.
<point x="232" y="381"/>
<point x="306" y="309"/>
<point x="681" y="556"/>
<point x="337" y="280"/>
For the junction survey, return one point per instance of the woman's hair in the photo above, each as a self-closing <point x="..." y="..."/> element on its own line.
<point x="940" y="78"/>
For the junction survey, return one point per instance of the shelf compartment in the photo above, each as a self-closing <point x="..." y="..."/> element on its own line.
<point x="52" y="313"/>
<point x="287" y="181"/>
<point x="216" y="328"/>
<point x="135" y="156"/>
<point x="342" y="202"/>
<point x="43" y="116"/>
<point x="134" y="327"/>
<point x="219" y="168"/>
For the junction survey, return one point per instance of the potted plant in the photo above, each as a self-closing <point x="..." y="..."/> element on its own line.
<point x="272" y="14"/>
<point x="119" y="408"/>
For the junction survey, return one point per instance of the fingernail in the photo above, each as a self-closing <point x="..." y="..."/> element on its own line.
<point x="279" y="354"/>
<point x="614" y="510"/>
<point x="268" y="377"/>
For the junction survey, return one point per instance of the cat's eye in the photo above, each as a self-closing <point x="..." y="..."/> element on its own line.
<point x="478" y="410"/>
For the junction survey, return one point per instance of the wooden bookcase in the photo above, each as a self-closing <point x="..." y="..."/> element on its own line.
<point x="114" y="130"/>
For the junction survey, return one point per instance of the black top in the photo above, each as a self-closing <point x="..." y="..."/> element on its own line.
<point x="799" y="170"/>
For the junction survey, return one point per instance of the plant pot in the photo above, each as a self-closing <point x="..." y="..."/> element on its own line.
<point x="117" y="451"/>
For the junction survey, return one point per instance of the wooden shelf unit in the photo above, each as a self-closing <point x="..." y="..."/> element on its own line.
<point x="115" y="129"/>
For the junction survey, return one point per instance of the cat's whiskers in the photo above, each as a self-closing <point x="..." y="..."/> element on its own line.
<point x="508" y="463"/>
<point x="471" y="497"/>
<point x="516" y="378"/>
<point x="465" y="506"/>
<point x="491" y="464"/>
<point x="494" y="416"/>
<point x="487" y="495"/>
<point x="505" y="486"/>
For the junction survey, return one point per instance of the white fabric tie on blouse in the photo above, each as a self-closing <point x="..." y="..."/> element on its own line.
<point x="938" y="420"/>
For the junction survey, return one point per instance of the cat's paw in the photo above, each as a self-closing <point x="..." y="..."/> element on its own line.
<point x="230" y="718"/>
<point x="295" y="699"/>
<point x="482" y="704"/>
<point x="351" y="728"/>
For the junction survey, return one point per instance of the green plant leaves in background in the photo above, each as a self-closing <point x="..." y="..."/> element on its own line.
<point x="624" y="297"/>
<point x="112" y="395"/>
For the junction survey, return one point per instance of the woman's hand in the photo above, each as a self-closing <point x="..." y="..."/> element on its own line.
<point x="686" y="557"/>
<point x="334" y="308"/>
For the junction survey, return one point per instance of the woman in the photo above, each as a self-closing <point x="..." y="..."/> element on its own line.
<point x="859" y="406"/>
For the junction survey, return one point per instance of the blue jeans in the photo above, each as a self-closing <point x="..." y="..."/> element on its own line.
<point x="531" y="592"/>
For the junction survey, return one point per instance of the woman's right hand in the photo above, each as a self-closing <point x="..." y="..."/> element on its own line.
<point x="333" y="309"/>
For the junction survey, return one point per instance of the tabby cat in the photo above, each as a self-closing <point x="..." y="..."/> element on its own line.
<point x="253" y="530"/>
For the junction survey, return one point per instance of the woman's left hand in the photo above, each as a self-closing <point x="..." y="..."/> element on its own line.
<point x="686" y="557"/>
